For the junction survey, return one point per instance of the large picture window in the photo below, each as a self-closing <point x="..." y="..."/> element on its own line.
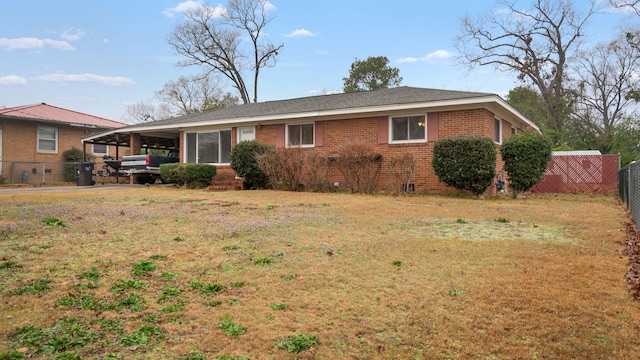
<point x="47" y="139"/>
<point x="300" y="135"/>
<point x="408" y="128"/>
<point x="212" y="147"/>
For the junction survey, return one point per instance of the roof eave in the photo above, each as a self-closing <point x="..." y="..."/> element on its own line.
<point x="322" y="114"/>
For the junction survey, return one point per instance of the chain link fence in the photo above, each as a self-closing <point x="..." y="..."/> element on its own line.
<point x="629" y="189"/>
<point x="37" y="173"/>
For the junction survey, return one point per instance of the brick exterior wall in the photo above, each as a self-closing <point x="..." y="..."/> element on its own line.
<point x="20" y="144"/>
<point x="367" y="130"/>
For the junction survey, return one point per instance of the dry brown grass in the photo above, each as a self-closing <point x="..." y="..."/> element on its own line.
<point x="377" y="277"/>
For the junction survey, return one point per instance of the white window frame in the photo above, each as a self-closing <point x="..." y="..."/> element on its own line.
<point x="313" y="135"/>
<point x="408" y="141"/>
<point x="499" y="130"/>
<point x="55" y="140"/>
<point x="93" y="150"/>
<point x="239" y="133"/>
<point x="219" y="131"/>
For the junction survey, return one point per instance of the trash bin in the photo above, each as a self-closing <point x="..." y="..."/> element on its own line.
<point x="84" y="173"/>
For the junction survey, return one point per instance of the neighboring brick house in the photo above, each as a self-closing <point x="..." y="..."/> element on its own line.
<point x="403" y="119"/>
<point x="33" y="138"/>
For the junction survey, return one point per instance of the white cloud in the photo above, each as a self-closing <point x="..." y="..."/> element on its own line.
<point x="13" y="80"/>
<point x="105" y="41"/>
<point x="299" y="33"/>
<point x="429" y="58"/>
<point x="187" y="6"/>
<point x="86" y="78"/>
<point x="34" y="44"/>
<point x="406" y="60"/>
<point x="322" y="52"/>
<point x="72" y="34"/>
<point x="437" y="55"/>
<point x="269" y="6"/>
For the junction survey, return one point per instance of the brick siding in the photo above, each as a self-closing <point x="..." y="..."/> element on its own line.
<point x="366" y="130"/>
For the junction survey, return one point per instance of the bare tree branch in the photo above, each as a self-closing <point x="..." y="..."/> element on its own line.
<point x="213" y="39"/>
<point x="535" y="43"/>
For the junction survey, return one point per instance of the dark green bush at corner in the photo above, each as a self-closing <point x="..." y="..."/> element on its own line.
<point x="465" y="162"/>
<point x="526" y="157"/>
<point x="244" y="163"/>
<point x="188" y="175"/>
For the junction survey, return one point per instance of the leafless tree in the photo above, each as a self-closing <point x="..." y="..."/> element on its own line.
<point x="214" y="38"/>
<point x="606" y="84"/>
<point x="142" y="111"/>
<point x="187" y="95"/>
<point x="626" y="5"/>
<point x="536" y="43"/>
<point x="192" y="95"/>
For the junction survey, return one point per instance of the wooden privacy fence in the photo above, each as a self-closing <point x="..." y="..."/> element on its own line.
<point x="580" y="174"/>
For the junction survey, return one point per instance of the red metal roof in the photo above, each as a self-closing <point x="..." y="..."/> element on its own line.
<point x="48" y="112"/>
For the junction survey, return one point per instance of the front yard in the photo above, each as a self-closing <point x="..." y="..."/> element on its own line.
<point x="169" y="273"/>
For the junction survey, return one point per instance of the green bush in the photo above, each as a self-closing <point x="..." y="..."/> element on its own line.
<point x="465" y="162"/>
<point x="169" y="173"/>
<point x="245" y="164"/>
<point x="199" y="175"/>
<point x="71" y="156"/>
<point x="188" y="175"/>
<point x="526" y="157"/>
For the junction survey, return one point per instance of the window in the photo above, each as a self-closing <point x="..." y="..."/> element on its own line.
<point x="100" y="149"/>
<point x="246" y="133"/>
<point x="300" y="135"/>
<point x="209" y="147"/>
<point x="47" y="139"/>
<point x="497" y="131"/>
<point x="408" y="129"/>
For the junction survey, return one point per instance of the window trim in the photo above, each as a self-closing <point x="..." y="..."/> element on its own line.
<point x="498" y="130"/>
<point x="313" y="136"/>
<point x="55" y="140"/>
<point x="239" y="129"/>
<point x="408" y="141"/>
<point x="219" y="131"/>
<point x="93" y="149"/>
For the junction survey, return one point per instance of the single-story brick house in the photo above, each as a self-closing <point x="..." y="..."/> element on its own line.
<point x="33" y="138"/>
<point x="402" y="119"/>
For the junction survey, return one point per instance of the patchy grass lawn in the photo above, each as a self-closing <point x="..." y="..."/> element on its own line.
<point x="178" y="274"/>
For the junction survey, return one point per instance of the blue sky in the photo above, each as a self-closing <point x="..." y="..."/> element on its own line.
<point x="97" y="56"/>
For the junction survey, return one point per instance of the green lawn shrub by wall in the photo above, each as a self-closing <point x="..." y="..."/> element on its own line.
<point x="244" y="163"/>
<point x="188" y="175"/>
<point x="465" y="162"/>
<point x="526" y="157"/>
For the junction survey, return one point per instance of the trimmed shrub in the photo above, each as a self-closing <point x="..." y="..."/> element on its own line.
<point x="526" y="157"/>
<point x="401" y="167"/>
<point x="284" y="167"/>
<point x="360" y="166"/>
<point x="465" y="162"/>
<point x="199" y="175"/>
<point x="72" y="155"/>
<point x="169" y="173"/>
<point x="188" y="175"/>
<point x="245" y="164"/>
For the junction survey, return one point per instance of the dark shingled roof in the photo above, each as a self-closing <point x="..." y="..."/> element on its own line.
<point x="364" y="99"/>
